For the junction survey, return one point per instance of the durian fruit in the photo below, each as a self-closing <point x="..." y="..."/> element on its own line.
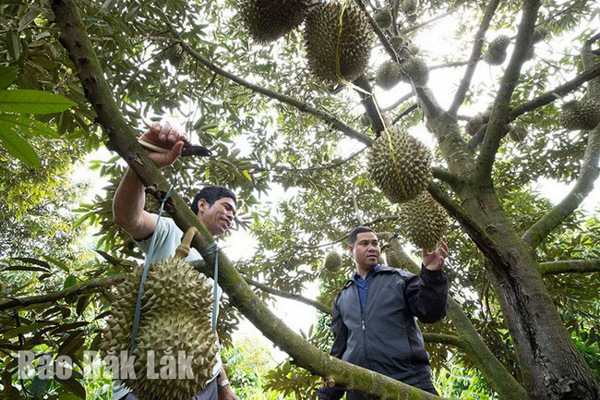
<point x="383" y="18"/>
<point x="388" y="75"/>
<point x="580" y="115"/>
<point x="417" y="70"/>
<point x="394" y="261"/>
<point x="516" y="133"/>
<point x="423" y="221"/>
<point x="400" y="165"/>
<point x="539" y="34"/>
<point x="267" y="21"/>
<point x="176" y="55"/>
<point x="333" y="262"/>
<point x="397" y="43"/>
<point x="409" y="6"/>
<point x="414" y="50"/>
<point x="496" y="52"/>
<point x="337" y="51"/>
<point x="474" y="124"/>
<point x="175" y="320"/>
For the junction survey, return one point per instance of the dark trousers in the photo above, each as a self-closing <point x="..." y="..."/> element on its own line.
<point x="360" y="396"/>
<point x="209" y="393"/>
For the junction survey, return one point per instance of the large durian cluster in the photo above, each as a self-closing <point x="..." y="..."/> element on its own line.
<point x="175" y="319"/>
<point x="400" y="165"/>
<point x="423" y="221"/>
<point x="337" y="38"/>
<point x="580" y="115"/>
<point x="496" y="51"/>
<point x="268" y="20"/>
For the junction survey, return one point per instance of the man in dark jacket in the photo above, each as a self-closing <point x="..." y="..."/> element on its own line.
<point x="374" y="315"/>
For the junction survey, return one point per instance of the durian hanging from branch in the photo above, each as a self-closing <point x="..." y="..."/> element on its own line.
<point x="175" y="320"/>
<point x="337" y="39"/>
<point x="400" y="165"/>
<point x="580" y="115"/>
<point x="496" y="52"/>
<point x="423" y="221"/>
<point x="268" y="20"/>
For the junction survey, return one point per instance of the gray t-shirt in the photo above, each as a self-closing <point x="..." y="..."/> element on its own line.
<point x="168" y="238"/>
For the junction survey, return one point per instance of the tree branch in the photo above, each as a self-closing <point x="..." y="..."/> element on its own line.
<point x="465" y="83"/>
<point x="570" y="266"/>
<point x="500" y="116"/>
<point x="89" y="286"/>
<point x="446" y="176"/>
<point x="369" y="103"/>
<point x="583" y="186"/>
<point x="287" y="295"/>
<point x="561" y="90"/>
<point x="74" y="39"/>
<point x="425" y="23"/>
<point x="302" y="106"/>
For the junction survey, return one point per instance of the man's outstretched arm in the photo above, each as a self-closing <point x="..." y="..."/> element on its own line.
<point x="129" y="200"/>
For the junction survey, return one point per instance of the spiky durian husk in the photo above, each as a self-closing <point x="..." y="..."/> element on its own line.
<point x="407" y="173"/>
<point x="174" y="333"/>
<point x="394" y="261"/>
<point x="175" y="314"/>
<point x="335" y="51"/>
<point x="496" y="52"/>
<point x="268" y="20"/>
<point x="333" y="262"/>
<point x="516" y="133"/>
<point x="474" y="124"/>
<point x="580" y="115"/>
<point x="409" y="6"/>
<point x="397" y="43"/>
<point x="383" y="18"/>
<point x="388" y="75"/>
<point x="539" y="34"/>
<point x="417" y="70"/>
<point x="423" y="221"/>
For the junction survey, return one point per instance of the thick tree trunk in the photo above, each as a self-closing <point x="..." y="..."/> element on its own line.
<point x="552" y="366"/>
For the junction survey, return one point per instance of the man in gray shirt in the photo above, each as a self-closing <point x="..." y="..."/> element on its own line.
<point x="215" y="207"/>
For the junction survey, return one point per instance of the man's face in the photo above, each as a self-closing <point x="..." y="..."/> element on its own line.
<point x="365" y="250"/>
<point x="218" y="217"/>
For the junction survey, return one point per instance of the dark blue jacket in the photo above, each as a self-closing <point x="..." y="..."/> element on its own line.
<point x="388" y="339"/>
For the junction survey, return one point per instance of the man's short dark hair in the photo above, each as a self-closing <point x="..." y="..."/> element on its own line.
<point x="211" y="194"/>
<point x="354" y="233"/>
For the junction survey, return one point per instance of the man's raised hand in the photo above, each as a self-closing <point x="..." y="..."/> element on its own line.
<point x="163" y="143"/>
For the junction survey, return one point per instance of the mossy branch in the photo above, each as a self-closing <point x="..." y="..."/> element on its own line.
<point x="500" y="112"/>
<point x="465" y="82"/>
<point x="570" y="267"/>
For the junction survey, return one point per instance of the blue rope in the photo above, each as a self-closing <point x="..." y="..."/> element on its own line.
<point x="147" y="263"/>
<point x="215" y="311"/>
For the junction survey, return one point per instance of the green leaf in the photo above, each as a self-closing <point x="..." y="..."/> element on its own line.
<point x="33" y="102"/>
<point x="24" y="268"/>
<point x="7" y="76"/>
<point x="13" y="45"/>
<point x="76" y="389"/>
<point x="29" y="127"/>
<point x="24" y="329"/>
<point x="39" y="387"/>
<point x="34" y="261"/>
<point x="17" y="146"/>
<point x="56" y="262"/>
<point x="70" y="281"/>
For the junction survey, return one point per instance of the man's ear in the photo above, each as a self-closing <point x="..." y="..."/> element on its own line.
<point x="351" y="250"/>
<point x="202" y="205"/>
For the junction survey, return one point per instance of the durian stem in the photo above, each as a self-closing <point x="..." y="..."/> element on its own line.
<point x="184" y="248"/>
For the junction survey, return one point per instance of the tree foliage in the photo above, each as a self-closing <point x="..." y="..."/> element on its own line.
<point x="293" y="150"/>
